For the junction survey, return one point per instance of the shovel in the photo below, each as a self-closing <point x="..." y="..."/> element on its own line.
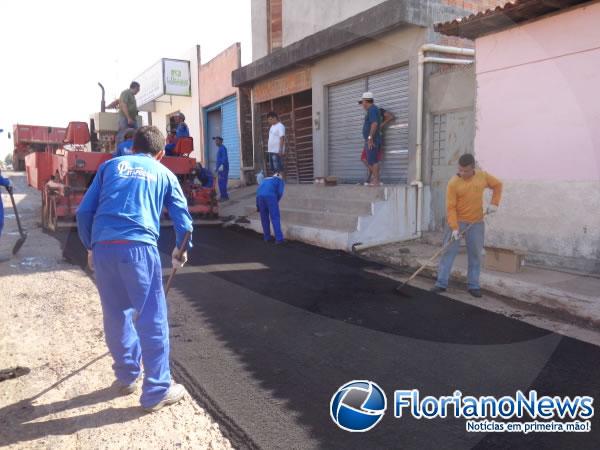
<point x="21" y="239"/>
<point x="182" y="249"/>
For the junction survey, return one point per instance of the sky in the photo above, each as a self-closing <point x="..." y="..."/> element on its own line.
<point x="54" y="53"/>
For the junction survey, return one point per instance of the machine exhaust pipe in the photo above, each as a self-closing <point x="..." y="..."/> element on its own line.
<point x="103" y="101"/>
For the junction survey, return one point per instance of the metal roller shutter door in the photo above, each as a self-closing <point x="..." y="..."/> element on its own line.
<point x="345" y="120"/>
<point x="231" y="137"/>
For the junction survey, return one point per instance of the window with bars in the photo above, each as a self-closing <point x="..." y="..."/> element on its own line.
<point x="439" y="139"/>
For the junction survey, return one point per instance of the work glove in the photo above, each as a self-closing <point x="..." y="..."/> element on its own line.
<point x="90" y="260"/>
<point x="491" y="209"/>
<point x="455" y="235"/>
<point x="178" y="261"/>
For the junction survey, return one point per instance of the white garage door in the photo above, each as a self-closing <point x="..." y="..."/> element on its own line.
<point x="345" y="121"/>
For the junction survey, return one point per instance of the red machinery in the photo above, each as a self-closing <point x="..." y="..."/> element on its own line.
<point x="64" y="175"/>
<point x="34" y="138"/>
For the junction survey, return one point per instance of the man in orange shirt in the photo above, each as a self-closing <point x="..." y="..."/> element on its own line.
<point x="464" y="205"/>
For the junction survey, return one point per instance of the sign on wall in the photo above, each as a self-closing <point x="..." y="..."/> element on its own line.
<point x="166" y="77"/>
<point x="177" y="77"/>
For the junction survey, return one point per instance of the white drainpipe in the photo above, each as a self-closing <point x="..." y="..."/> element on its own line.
<point x="422" y="60"/>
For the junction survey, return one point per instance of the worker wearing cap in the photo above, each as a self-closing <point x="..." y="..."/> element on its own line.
<point x="222" y="168"/>
<point x="8" y="185"/>
<point x="119" y="223"/>
<point x="372" y="137"/>
<point x="125" y="147"/>
<point x="128" y="110"/>
<point x="182" y="130"/>
<point x="268" y="195"/>
<point x="464" y="205"/>
<point x="385" y="117"/>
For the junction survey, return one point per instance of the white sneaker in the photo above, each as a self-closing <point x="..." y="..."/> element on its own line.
<point x="125" y="389"/>
<point x="174" y="394"/>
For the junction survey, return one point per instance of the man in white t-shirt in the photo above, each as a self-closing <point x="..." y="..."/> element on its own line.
<point x="276" y="145"/>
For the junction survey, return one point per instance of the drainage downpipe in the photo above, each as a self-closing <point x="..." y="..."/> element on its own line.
<point x="422" y="60"/>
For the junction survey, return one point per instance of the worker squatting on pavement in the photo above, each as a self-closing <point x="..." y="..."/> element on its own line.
<point x="119" y="223"/>
<point x="268" y="195"/>
<point x="8" y="185"/>
<point x="222" y="168"/>
<point x="464" y="203"/>
<point x="125" y="147"/>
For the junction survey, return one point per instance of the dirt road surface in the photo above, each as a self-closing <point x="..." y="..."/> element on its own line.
<point x="51" y="323"/>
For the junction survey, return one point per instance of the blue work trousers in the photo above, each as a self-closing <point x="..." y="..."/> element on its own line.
<point x="1" y="216"/>
<point x="276" y="162"/>
<point x="123" y="127"/>
<point x="129" y="280"/>
<point x="474" y="239"/>
<point x="223" y="177"/>
<point x="268" y="206"/>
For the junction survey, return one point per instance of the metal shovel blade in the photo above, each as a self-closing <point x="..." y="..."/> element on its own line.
<point x="19" y="243"/>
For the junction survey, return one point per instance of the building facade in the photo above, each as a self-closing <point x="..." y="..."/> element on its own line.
<point x="313" y="60"/>
<point x="538" y="85"/>
<point x="211" y="105"/>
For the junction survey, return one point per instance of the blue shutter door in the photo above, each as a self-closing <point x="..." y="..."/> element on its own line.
<point x="231" y="136"/>
<point x="213" y="127"/>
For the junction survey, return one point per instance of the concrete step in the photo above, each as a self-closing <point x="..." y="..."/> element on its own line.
<point x="316" y="219"/>
<point x="342" y="192"/>
<point x="329" y="205"/>
<point x="322" y="237"/>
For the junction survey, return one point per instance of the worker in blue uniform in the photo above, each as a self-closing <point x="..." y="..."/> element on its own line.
<point x="182" y="130"/>
<point x="9" y="187"/>
<point x="268" y="195"/>
<point x="118" y="223"/>
<point x="222" y="168"/>
<point x="126" y="146"/>
<point x="204" y="176"/>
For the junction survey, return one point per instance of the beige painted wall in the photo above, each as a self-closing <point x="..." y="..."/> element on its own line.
<point x="215" y="75"/>
<point x="306" y="17"/>
<point x="215" y="85"/>
<point x="302" y="18"/>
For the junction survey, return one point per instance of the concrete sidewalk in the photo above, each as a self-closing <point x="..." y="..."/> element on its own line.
<point x="569" y="297"/>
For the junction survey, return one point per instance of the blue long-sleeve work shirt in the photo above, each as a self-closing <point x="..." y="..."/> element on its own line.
<point x="222" y="158"/>
<point x="270" y="187"/>
<point x="124" y="148"/>
<point x="126" y="199"/>
<point x="4" y="182"/>
<point x="182" y="130"/>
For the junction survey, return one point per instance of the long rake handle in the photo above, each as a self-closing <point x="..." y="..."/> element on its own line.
<point x="435" y="255"/>
<point x="184" y="244"/>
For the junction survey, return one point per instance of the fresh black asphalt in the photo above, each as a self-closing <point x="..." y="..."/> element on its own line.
<point x="263" y="336"/>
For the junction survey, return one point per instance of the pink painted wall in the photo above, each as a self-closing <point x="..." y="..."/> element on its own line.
<point x="538" y="99"/>
<point x="215" y="76"/>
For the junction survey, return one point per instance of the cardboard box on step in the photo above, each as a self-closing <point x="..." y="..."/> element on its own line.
<point x="504" y="260"/>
